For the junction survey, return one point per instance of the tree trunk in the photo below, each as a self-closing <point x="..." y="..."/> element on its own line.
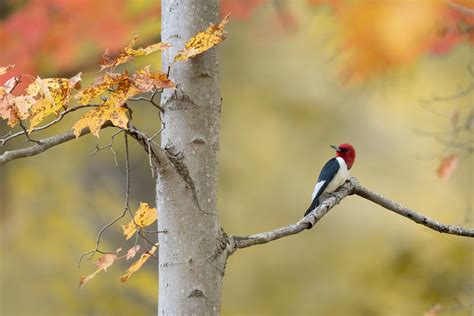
<point x="191" y="260"/>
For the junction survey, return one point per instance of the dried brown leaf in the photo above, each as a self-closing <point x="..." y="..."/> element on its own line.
<point x="132" y="252"/>
<point x="104" y="262"/>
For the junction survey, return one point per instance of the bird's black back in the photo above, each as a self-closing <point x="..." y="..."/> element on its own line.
<point x="327" y="174"/>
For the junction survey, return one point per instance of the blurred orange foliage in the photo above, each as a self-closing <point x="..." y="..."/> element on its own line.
<point x="60" y="29"/>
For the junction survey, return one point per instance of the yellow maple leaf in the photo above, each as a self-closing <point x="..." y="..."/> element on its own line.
<point x="54" y="95"/>
<point x="97" y="117"/>
<point x="144" y="216"/>
<point x="128" y="53"/>
<point x="137" y="264"/>
<point x="203" y="41"/>
<point x="101" y="85"/>
<point x="123" y="86"/>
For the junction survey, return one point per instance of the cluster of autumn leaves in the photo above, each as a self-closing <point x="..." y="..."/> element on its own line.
<point x="46" y="97"/>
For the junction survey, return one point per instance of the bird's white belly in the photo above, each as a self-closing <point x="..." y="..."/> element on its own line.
<point x="340" y="177"/>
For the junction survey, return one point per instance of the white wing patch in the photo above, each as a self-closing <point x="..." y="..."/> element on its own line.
<point x="317" y="187"/>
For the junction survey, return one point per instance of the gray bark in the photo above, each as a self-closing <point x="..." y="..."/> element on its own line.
<point x="191" y="260"/>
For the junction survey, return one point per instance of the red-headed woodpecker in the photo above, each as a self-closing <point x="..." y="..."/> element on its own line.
<point x="334" y="173"/>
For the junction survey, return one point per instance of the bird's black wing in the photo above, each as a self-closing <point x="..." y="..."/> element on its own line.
<point x="327" y="174"/>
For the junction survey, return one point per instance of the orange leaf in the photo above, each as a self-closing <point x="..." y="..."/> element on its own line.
<point x="146" y="81"/>
<point x="5" y="69"/>
<point x="128" y="53"/>
<point x="137" y="264"/>
<point x="447" y="166"/>
<point x="203" y="41"/>
<point x="132" y="252"/>
<point x="96" y="118"/>
<point x="144" y="216"/>
<point x="54" y="95"/>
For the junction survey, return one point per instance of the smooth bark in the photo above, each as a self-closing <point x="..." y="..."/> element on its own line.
<point x="191" y="260"/>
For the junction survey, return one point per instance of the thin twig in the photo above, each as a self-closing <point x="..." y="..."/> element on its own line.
<point x="27" y="135"/>
<point x="150" y="99"/>
<point x="5" y="138"/>
<point x="125" y="210"/>
<point x="109" y="146"/>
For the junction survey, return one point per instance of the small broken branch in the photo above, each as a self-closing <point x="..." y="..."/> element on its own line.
<point x="154" y="151"/>
<point x="351" y="187"/>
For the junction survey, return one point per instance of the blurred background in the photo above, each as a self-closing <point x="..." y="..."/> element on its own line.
<point x="394" y="78"/>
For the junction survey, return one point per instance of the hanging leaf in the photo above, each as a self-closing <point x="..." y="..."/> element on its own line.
<point x="128" y="53"/>
<point x="104" y="262"/>
<point x="203" y="41"/>
<point x="137" y="264"/>
<point x="132" y="252"/>
<point x="144" y="216"/>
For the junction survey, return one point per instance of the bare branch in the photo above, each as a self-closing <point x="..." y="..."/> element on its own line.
<point x="109" y="146"/>
<point x="44" y="144"/>
<point x="350" y="187"/>
<point x="410" y="214"/>
<point x="312" y="218"/>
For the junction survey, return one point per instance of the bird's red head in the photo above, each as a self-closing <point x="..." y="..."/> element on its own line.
<point x="346" y="152"/>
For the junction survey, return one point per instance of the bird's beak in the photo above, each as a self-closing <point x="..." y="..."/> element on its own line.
<point x="336" y="148"/>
